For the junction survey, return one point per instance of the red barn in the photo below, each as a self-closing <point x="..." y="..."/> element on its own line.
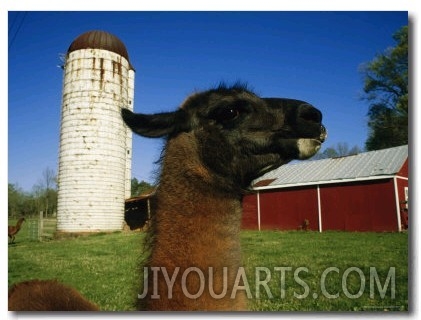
<point x="364" y="192"/>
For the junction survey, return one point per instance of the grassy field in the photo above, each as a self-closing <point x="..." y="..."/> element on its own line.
<point x="308" y="271"/>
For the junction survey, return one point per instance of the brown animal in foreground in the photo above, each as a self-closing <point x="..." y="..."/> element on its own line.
<point x="47" y="295"/>
<point x="217" y="142"/>
<point x="13" y="230"/>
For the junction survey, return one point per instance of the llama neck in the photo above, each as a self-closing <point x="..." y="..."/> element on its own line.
<point x="19" y="224"/>
<point x="195" y="225"/>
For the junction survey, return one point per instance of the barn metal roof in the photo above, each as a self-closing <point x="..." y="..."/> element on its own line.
<point x="363" y="166"/>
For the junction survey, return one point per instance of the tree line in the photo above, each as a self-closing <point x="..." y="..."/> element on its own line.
<point x="43" y="196"/>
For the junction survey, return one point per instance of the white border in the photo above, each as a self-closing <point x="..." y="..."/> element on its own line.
<point x="311" y="5"/>
<point x="219" y="5"/>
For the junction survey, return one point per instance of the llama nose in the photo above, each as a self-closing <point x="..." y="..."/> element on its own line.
<point x="311" y="117"/>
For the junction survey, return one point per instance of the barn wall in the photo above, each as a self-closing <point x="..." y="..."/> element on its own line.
<point x="403" y="172"/>
<point x="402" y="184"/>
<point x="286" y="209"/>
<point x="362" y="206"/>
<point x="403" y="205"/>
<point x="357" y="206"/>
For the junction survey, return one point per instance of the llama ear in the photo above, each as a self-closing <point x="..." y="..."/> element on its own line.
<point x="154" y="125"/>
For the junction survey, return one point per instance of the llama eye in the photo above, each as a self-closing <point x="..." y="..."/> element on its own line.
<point x="230" y="114"/>
<point x="225" y="114"/>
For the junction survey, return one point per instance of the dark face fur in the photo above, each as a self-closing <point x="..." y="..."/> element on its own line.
<point x="240" y="135"/>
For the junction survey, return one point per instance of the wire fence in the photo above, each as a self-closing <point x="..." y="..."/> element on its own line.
<point x="41" y="229"/>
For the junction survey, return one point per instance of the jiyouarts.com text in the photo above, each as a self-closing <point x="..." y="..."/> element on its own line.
<point x="351" y="282"/>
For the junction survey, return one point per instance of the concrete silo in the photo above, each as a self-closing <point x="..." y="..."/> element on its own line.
<point x="95" y="146"/>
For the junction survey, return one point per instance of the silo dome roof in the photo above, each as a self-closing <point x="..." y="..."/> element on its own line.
<point x="97" y="39"/>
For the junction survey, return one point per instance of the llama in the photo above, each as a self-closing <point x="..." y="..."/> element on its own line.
<point x="47" y="295"/>
<point x="217" y="143"/>
<point x="13" y="230"/>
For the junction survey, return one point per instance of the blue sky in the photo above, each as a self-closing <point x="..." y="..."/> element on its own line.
<point x="311" y="56"/>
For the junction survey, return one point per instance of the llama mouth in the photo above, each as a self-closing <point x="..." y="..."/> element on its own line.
<point x="308" y="147"/>
<point x="323" y="134"/>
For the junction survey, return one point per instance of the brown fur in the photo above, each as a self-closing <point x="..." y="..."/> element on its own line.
<point x="47" y="295"/>
<point x="13" y="230"/>
<point x="203" y="213"/>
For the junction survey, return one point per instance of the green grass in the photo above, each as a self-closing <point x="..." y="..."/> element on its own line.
<point x="103" y="268"/>
<point x="319" y="251"/>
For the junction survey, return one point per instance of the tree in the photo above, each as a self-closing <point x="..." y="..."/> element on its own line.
<point x="43" y="197"/>
<point x="340" y="150"/>
<point x="45" y="192"/>
<point x="15" y="200"/>
<point x="20" y="203"/>
<point x="141" y="187"/>
<point x="386" y="88"/>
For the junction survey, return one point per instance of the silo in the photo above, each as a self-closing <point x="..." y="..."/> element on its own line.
<point x="95" y="146"/>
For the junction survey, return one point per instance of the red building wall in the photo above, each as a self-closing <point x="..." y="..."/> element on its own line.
<point x="362" y="206"/>
<point x="283" y="209"/>
<point x="403" y="172"/>
<point x="358" y="206"/>
<point x="286" y="210"/>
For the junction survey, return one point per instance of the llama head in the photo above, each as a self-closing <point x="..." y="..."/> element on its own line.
<point x="239" y="135"/>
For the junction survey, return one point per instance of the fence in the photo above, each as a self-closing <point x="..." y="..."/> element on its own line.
<point x="42" y="228"/>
